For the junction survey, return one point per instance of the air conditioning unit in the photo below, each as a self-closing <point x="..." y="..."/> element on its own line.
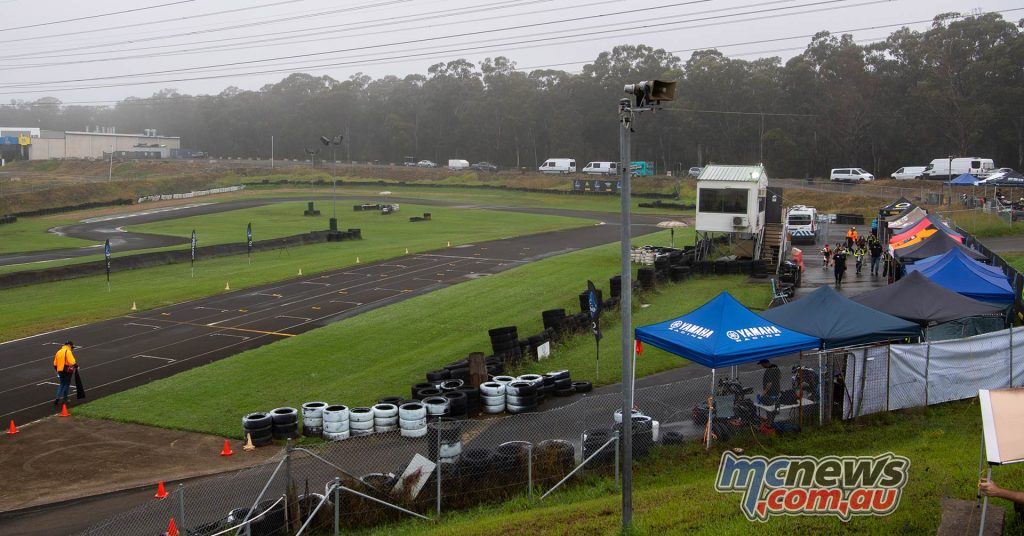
<point x="739" y="221"/>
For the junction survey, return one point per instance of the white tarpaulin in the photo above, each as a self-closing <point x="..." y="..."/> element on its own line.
<point x="937" y="372"/>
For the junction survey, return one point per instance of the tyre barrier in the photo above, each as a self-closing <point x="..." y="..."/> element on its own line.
<point x="423" y="394"/>
<point x="360" y="421"/>
<point x="285" y="423"/>
<point x="503" y="379"/>
<point x="451" y="385"/>
<point x="554" y="319"/>
<point x="553" y="459"/>
<point x="437" y="376"/>
<point x="472" y="399"/>
<point x="444" y="440"/>
<point x="273" y="520"/>
<point x="412" y="411"/>
<point x="475" y="462"/>
<point x="672" y="438"/>
<point x="520" y="388"/>
<point x="492" y="389"/>
<point x="393" y="400"/>
<point x="382" y="482"/>
<point x="336" y="413"/>
<point x="643" y="435"/>
<point x="513" y="455"/>
<point x="615" y="287"/>
<point x="437" y="407"/>
<point x="385" y="418"/>
<point x="259" y="428"/>
<point x="457" y="403"/>
<point x="646" y="277"/>
<point x="595" y="439"/>
<point x="420" y="387"/>
<point x="503" y="341"/>
<point x="312" y="419"/>
<point x="583" y="386"/>
<point x="618" y="415"/>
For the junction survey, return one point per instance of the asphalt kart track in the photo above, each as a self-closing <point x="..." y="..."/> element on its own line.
<point x="132" y="350"/>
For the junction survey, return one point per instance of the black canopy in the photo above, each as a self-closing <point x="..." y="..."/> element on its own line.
<point x="896" y="207"/>
<point x="936" y="244"/>
<point x="918" y="299"/>
<point x="838" y="321"/>
<point x="1011" y="178"/>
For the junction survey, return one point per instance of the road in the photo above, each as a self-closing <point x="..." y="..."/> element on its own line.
<point x="134" y="349"/>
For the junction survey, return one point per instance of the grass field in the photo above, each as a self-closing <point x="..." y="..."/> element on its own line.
<point x="30" y="234"/>
<point x="674" y="488"/>
<point x="31" y="309"/>
<point x="364" y="358"/>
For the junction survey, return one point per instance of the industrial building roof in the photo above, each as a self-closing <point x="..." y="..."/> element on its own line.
<point x="719" y="172"/>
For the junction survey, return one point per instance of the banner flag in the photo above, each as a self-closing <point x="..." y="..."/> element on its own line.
<point x="193" y="245"/>
<point x="595" y="310"/>
<point x="248" y="234"/>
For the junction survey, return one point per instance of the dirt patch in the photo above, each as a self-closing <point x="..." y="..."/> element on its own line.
<point x="57" y="459"/>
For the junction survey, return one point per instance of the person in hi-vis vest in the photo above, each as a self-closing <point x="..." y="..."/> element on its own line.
<point x="64" y="364"/>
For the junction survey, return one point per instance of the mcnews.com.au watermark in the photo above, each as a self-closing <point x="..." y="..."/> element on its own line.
<point x="841" y="486"/>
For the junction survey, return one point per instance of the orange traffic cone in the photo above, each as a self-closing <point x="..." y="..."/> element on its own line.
<point x="172" y="528"/>
<point x="227" y="449"/>
<point x="161" y="492"/>
<point x="13" y="429"/>
<point x="64" y="410"/>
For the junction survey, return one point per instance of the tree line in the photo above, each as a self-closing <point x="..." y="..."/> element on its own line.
<point x="956" y="88"/>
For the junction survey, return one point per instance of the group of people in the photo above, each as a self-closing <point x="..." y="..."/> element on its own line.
<point x="855" y="246"/>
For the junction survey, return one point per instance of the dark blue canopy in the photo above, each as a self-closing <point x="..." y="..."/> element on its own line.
<point x="964" y="275"/>
<point x="966" y="178"/>
<point x="722" y="333"/>
<point x="838" y="321"/>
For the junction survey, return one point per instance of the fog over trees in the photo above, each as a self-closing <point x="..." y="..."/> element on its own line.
<point x="954" y="89"/>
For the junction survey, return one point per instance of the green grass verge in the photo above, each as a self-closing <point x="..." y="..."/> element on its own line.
<point x="674" y="488"/>
<point x="32" y="309"/>
<point x="30" y="234"/>
<point x="382" y="352"/>
<point x="986" y="224"/>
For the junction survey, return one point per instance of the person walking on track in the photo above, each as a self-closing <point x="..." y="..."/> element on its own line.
<point x="851" y="237"/>
<point x="826" y="253"/>
<point x="839" y="260"/>
<point x="876" y="256"/>
<point x="64" y="363"/>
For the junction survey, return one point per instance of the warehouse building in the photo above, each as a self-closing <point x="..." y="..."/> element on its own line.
<point x="47" y="144"/>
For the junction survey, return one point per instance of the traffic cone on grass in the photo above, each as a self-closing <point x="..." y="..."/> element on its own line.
<point x="227" y="285"/>
<point x="134" y="308"/>
<point x="226" y="451"/>
<point x="161" y="492"/>
<point x="172" y="528"/>
<point x="300" y="271"/>
<point x="12" y="429"/>
<point x="64" y="410"/>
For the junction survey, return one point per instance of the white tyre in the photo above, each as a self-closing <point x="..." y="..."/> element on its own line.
<point x="384" y="429"/>
<point x="412" y="411"/>
<point x="390" y="421"/>
<point x="534" y="379"/>
<point x="360" y="433"/>
<point x="493" y="400"/>
<point x="618" y="415"/>
<point x="310" y="422"/>
<point x="449" y="450"/>
<point x="361" y="426"/>
<point x="335" y="413"/>
<point x="339" y="436"/>
<point x="493" y="410"/>
<point x="335" y="427"/>
<point x="313" y="410"/>
<point x="492" y="389"/>
<point x="503" y="379"/>
<point x="406" y="424"/>
<point x="417" y="432"/>
<point x="384" y="411"/>
<point x="436" y="405"/>
<point x="360" y="415"/>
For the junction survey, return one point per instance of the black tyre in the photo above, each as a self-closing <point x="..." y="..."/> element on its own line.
<point x="437" y="376"/>
<point x="565" y="391"/>
<point x="513" y="400"/>
<point x="672" y="438"/>
<point x="502" y="331"/>
<point x="285" y="431"/>
<point x="583" y="386"/>
<point x="284" y="415"/>
<point x="520" y="388"/>
<point x="255" y="421"/>
<point x="393" y="400"/>
<point x="564" y="383"/>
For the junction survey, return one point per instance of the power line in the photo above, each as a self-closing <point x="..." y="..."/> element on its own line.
<point x="112" y="13"/>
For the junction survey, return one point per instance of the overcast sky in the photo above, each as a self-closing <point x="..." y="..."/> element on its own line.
<point x="100" y="52"/>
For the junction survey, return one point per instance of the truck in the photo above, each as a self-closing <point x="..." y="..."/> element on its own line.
<point x="802" y="222"/>
<point x="641" y="169"/>
<point x="558" y="165"/>
<point x="458" y="164"/>
<point x="951" y="168"/>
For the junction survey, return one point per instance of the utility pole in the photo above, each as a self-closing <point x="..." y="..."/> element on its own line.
<point x="110" y="170"/>
<point x="271" y="151"/>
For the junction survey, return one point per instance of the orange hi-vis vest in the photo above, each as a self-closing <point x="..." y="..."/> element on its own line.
<point x="63" y="358"/>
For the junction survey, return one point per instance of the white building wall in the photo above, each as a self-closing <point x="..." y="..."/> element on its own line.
<point x="94" y="144"/>
<point x="723" y="222"/>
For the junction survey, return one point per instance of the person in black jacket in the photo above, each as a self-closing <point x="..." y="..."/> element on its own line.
<point x="876" y="255"/>
<point x="839" y="260"/>
<point x="769" y="383"/>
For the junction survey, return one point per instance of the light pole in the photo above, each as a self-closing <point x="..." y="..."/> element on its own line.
<point x="949" y="178"/>
<point x="333" y="143"/>
<point x="648" y="96"/>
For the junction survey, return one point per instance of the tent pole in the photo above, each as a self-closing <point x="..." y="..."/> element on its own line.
<point x="888" y="362"/>
<point x="1011" y="354"/>
<point x="927" y="362"/>
<point x="711" y="410"/>
<point x="800" y="390"/>
<point x="821" y="391"/>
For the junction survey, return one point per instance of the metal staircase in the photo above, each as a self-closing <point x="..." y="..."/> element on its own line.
<point x="771" y="244"/>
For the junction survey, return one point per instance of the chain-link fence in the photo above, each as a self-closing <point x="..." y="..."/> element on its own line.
<point x="455" y="464"/>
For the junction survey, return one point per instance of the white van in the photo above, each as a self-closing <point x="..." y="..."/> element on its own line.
<point x="602" y="168"/>
<point x="802" y="223"/>
<point x="908" y="172"/>
<point x="558" y="165"/>
<point x="850" y="175"/>
<point x="944" y="168"/>
<point x="458" y="164"/>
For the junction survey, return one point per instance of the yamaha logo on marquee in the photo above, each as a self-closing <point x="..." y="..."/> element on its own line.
<point x="751" y="334"/>
<point x="693" y="330"/>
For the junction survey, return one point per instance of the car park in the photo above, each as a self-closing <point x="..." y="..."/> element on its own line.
<point x="850" y="175"/>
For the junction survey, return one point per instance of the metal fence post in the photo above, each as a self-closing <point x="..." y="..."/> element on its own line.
<point x="337" y="504"/>
<point x="888" y="360"/>
<point x="616" y="460"/>
<point x="181" y="504"/>
<point x="1011" y="354"/>
<point x="927" y="362"/>
<point x="529" y="472"/>
<point x="438" y="473"/>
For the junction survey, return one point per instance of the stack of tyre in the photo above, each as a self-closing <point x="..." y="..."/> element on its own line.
<point x="258" y="427"/>
<point x="444" y="440"/>
<point x="360" y="421"/>
<point x="336" y="423"/>
<point x="492" y="395"/>
<point x="505" y="342"/>
<point x="593" y="440"/>
<point x="313" y="419"/>
<point x="521" y="396"/>
<point x="643" y="431"/>
<point x="285" y="423"/>
<point x="412" y="419"/>
<point x="385" y="418"/>
<point x="437" y="407"/>
<point x="554" y="320"/>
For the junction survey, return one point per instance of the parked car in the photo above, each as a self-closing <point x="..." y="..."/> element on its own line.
<point x="558" y="165"/>
<point x="601" y="168"/>
<point x="425" y="163"/>
<point x="456" y="164"/>
<point x="484" y="166"/>
<point x="908" y="172"/>
<point x="695" y="171"/>
<point x="850" y="175"/>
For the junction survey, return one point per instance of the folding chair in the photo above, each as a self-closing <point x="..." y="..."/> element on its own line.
<point x="779" y="293"/>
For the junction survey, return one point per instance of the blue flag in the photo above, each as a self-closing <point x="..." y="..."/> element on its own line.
<point x="248" y="234"/>
<point x="106" y="256"/>
<point x="595" y="309"/>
